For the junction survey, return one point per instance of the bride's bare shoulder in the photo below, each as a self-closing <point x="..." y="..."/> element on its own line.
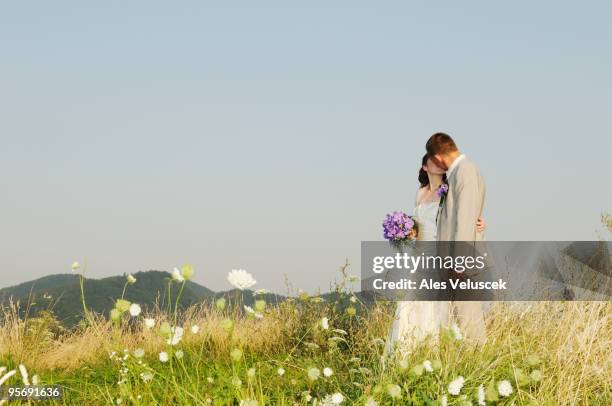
<point x="419" y="195"/>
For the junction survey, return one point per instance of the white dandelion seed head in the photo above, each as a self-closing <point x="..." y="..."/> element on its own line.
<point x="395" y="391"/>
<point x="135" y="309"/>
<point x="328" y="372"/>
<point x="177" y="275"/>
<point x="481" y="395"/>
<point x="504" y="388"/>
<point x="455" y="386"/>
<point x="444" y="401"/>
<point x="195" y="329"/>
<point x="280" y="371"/>
<point x="179" y="354"/>
<point x="313" y="374"/>
<point x="241" y="279"/>
<point x="131" y="279"/>
<point x="325" y="323"/>
<point x="427" y="365"/>
<point x="146" y="376"/>
<point x="251" y="372"/>
<point x="75" y="266"/>
<point x="139" y="353"/>
<point x="149" y="323"/>
<point x="371" y="402"/>
<point x="35" y="380"/>
<point x="163" y="356"/>
<point x="210" y="379"/>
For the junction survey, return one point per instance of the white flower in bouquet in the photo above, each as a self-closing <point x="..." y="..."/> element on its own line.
<point x="241" y="279"/>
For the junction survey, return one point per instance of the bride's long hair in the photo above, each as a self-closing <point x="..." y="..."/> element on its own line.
<point x="423" y="178"/>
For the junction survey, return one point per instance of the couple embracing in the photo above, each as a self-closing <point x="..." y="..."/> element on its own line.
<point x="449" y="176"/>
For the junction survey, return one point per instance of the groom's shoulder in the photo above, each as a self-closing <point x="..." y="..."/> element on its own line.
<point x="467" y="166"/>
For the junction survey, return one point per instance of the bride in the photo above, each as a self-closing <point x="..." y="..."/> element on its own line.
<point x="416" y="320"/>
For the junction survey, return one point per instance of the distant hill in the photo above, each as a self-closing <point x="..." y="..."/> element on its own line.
<point x="62" y="293"/>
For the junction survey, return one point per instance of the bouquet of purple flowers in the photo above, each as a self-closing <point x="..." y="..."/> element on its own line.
<point x="399" y="227"/>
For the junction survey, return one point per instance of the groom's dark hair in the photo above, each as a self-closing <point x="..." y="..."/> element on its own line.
<point x="440" y="143"/>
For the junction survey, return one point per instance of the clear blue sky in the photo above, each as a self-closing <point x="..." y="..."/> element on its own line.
<point x="274" y="136"/>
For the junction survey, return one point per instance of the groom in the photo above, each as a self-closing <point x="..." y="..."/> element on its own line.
<point x="461" y="207"/>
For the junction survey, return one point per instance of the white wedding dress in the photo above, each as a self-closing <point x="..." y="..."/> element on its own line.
<point x="416" y="320"/>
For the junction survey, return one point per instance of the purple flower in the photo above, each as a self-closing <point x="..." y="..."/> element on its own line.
<point x="397" y="226"/>
<point x="442" y="190"/>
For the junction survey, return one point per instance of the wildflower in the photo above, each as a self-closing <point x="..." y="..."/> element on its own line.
<point x="236" y="381"/>
<point x="139" y="353"/>
<point x="179" y="354"/>
<point x="334" y="399"/>
<point x="241" y="279"/>
<point x="7" y="376"/>
<point x="165" y="328"/>
<point x="351" y="311"/>
<point x="394" y="391"/>
<point x="251" y="373"/>
<point x="195" y="329"/>
<point x="163" y="356"/>
<point x="122" y="305"/>
<point x="146" y="376"/>
<point x="149" y="323"/>
<point x="130" y="279"/>
<point x="236" y="354"/>
<point x="135" y="309"/>
<point x="75" y="266"/>
<point x="328" y="372"/>
<point x="370" y="402"/>
<point x="220" y="303"/>
<point x="325" y="323"/>
<point x="35" y="380"/>
<point x="249" y="310"/>
<point x="443" y="401"/>
<point x="456" y="332"/>
<point x="536" y="375"/>
<point x="353" y="299"/>
<point x="24" y="375"/>
<point x="176" y="334"/>
<point x="187" y="271"/>
<point x="115" y="314"/>
<point x="481" y="395"/>
<point x="210" y="379"/>
<point x="427" y="365"/>
<point x="455" y="386"/>
<point x="417" y="370"/>
<point x="313" y="374"/>
<point x="532" y="360"/>
<point x="280" y="371"/>
<point x="177" y="276"/>
<point x="504" y="388"/>
<point x="306" y="396"/>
